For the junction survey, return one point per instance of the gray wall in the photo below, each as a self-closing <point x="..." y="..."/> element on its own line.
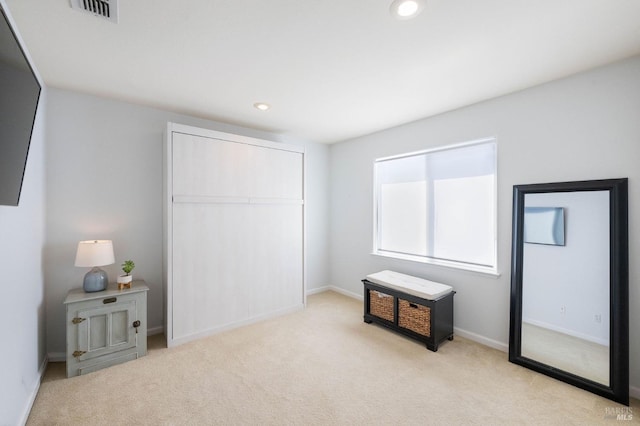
<point x="22" y="306"/>
<point x="582" y="127"/>
<point x="104" y="181"/>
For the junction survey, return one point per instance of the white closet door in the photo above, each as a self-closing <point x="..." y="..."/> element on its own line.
<point x="276" y="254"/>
<point x="209" y="266"/>
<point x="209" y="167"/>
<point x="275" y="174"/>
<point x="236" y="230"/>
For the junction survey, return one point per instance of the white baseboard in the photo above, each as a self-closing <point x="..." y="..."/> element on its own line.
<point x="155" y="330"/>
<point x="357" y="296"/>
<point x="34" y="391"/>
<point x="634" y="392"/>
<point x="337" y="290"/>
<point x="317" y="290"/>
<point x="57" y="356"/>
<point x="504" y="347"/>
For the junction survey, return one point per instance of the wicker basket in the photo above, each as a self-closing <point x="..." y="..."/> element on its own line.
<point x="381" y="305"/>
<point x="414" y="317"/>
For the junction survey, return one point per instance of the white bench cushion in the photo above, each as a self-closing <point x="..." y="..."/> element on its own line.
<point x="419" y="287"/>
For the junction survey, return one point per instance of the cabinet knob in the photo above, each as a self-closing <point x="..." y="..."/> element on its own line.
<point x="79" y="353"/>
<point x="77" y="320"/>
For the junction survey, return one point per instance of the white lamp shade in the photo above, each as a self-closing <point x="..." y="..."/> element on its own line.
<point x="95" y="253"/>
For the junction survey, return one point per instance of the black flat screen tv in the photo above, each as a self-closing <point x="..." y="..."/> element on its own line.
<point x="19" y="94"/>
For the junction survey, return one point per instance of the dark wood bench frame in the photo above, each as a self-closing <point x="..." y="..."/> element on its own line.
<point x="441" y="320"/>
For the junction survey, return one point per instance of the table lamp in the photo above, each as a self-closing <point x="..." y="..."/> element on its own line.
<point x="94" y="253"/>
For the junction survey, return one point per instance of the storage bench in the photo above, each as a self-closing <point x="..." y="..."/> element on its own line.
<point x="417" y="308"/>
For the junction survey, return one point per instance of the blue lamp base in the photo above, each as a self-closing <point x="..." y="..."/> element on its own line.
<point x="95" y="280"/>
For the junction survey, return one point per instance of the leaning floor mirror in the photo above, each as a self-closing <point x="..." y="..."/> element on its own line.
<point x="569" y="284"/>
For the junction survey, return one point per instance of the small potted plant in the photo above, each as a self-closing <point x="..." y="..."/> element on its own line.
<point x="124" y="281"/>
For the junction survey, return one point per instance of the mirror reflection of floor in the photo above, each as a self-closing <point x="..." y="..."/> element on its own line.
<point x="571" y="354"/>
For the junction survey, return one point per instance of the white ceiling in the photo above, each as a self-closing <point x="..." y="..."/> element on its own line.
<point x="331" y="69"/>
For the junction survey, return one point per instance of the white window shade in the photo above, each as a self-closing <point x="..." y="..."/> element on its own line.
<point x="401" y="170"/>
<point x="403" y="227"/>
<point x="464" y="161"/>
<point x="438" y="206"/>
<point x="463" y="228"/>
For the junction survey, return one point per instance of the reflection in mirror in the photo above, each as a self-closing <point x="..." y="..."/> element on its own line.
<point x="569" y="284"/>
<point x="565" y="288"/>
<point x="544" y="225"/>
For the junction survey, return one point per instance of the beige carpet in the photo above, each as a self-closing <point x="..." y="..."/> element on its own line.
<point x="324" y="366"/>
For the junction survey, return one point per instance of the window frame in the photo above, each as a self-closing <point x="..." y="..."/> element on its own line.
<point x="489" y="270"/>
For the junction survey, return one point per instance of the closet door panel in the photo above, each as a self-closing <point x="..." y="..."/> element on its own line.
<point x="210" y="270"/>
<point x="275" y="173"/>
<point x="235" y="231"/>
<point x="209" y="167"/>
<point x="276" y="254"/>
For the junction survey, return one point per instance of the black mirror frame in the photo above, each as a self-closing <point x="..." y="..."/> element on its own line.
<point x="618" y="389"/>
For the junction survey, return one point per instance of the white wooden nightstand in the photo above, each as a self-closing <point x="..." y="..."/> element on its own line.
<point x="106" y="327"/>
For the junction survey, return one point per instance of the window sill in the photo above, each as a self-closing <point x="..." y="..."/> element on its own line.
<point x="483" y="270"/>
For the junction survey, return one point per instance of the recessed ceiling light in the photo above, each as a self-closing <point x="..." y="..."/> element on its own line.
<point x="406" y="9"/>
<point x="262" y="106"/>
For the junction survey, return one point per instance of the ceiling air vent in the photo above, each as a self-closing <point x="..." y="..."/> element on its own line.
<point x="107" y="9"/>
